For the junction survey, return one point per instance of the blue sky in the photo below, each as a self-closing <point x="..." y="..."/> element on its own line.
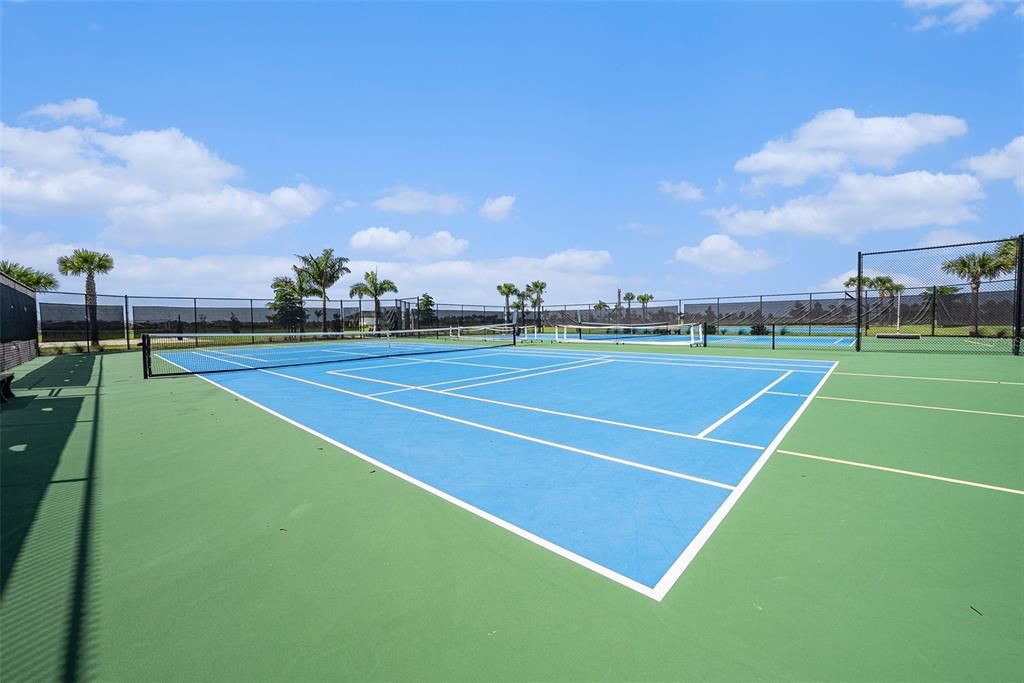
<point x="681" y="149"/>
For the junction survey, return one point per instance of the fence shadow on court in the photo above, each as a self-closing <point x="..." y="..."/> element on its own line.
<point x="48" y="470"/>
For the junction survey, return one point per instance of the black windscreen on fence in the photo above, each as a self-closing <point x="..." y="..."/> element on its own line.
<point x="18" y="308"/>
<point x="66" y="317"/>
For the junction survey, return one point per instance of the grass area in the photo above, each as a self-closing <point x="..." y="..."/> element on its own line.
<point x="163" y="529"/>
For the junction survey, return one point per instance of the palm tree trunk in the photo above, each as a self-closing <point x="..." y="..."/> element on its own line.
<point x="975" y="286"/>
<point x="376" y="313"/>
<point x="323" y="308"/>
<point x="507" y="313"/>
<point x="90" y="309"/>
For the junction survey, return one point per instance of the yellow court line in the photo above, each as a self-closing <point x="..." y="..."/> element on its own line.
<point x="910" y="473"/>
<point x="914" y="405"/>
<point x="932" y="379"/>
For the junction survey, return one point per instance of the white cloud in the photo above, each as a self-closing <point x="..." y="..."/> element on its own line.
<point x="344" y="206"/>
<point x="152" y="186"/>
<point x="578" y="260"/>
<point x="962" y="15"/>
<point x="401" y="244"/>
<point x="682" y="190"/>
<point x="408" y="200"/>
<point x="572" y="275"/>
<point x="723" y="254"/>
<point x="998" y="164"/>
<point x="497" y="208"/>
<point x="859" y="203"/>
<point x="938" y="238"/>
<point x="233" y="215"/>
<point x="81" y="108"/>
<point x="838" y="139"/>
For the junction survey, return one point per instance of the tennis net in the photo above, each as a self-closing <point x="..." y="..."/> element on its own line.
<point x="684" y="334"/>
<point x="187" y="354"/>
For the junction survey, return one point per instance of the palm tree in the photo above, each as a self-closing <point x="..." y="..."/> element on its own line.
<point x="520" y="304"/>
<point x="865" y="282"/>
<point x="628" y="297"/>
<point x="289" y="295"/>
<point x="30" y="277"/>
<point x="507" y="290"/>
<point x="643" y="300"/>
<point x="87" y="263"/>
<point x="323" y="272"/>
<point x="974" y="268"/>
<point x="1006" y="252"/>
<point x="535" y="290"/>
<point x="601" y="306"/>
<point x="373" y="286"/>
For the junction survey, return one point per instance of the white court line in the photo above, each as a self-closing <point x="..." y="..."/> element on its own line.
<point x="496" y="430"/>
<point x="505" y="432"/>
<point x="399" y="361"/>
<point x="823" y="365"/>
<point x="914" y="405"/>
<point x="666" y="582"/>
<point x="584" y="562"/>
<point x="535" y="374"/>
<point x="783" y="393"/>
<point x="411" y="387"/>
<point x="933" y="379"/>
<point x="701" y="364"/>
<point x="910" y="473"/>
<point x="559" y="413"/>
<point x="732" y="413"/>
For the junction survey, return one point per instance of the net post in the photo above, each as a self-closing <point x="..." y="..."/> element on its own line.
<point x="773" y="336"/>
<point x="860" y="287"/>
<point x="704" y="333"/>
<point x="147" y="368"/>
<point x="1018" y="300"/>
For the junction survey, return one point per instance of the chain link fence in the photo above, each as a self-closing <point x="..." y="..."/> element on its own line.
<point x="960" y="298"/>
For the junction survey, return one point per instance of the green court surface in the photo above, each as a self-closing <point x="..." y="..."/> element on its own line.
<point x="167" y="530"/>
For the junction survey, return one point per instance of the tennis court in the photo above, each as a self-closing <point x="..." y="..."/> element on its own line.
<point x="630" y="489"/>
<point x="539" y="511"/>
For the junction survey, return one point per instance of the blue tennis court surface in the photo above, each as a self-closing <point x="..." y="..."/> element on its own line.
<point x="624" y="463"/>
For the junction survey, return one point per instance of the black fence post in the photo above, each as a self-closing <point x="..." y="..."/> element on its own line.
<point x="860" y="287"/>
<point x="935" y="306"/>
<point x="127" y="337"/>
<point x="1018" y="300"/>
<point x="195" y="319"/>
<point x="773" y="336"/>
